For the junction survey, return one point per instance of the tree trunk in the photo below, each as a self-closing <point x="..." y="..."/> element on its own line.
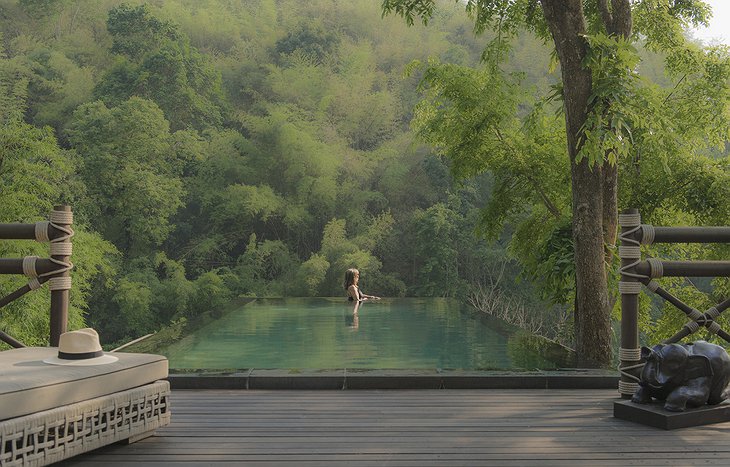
<point x="618" y="22"/>
<point x="610" y="207"/>
<point x="610" y="220"/>
<point x="567" y="25"/>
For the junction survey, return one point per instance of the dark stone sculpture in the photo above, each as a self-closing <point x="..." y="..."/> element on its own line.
<point x="685" y="375"/>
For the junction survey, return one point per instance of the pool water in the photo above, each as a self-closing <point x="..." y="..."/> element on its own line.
<point x="324" y="333"/>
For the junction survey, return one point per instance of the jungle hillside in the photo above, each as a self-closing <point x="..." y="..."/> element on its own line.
<point x="214" y="149"/>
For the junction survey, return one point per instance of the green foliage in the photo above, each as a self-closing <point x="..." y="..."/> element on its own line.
<point x="134" y="29"/>
<point x="133" y="300"/>
<point x="126" y="153"/>
<point x="35" y="175"/>
<point x="13" y="90"/>
<point x="42" y="7"/>
<point x="663" y="25"/>
<point x="410" y="9"/>
<point x="311" y="40"/>
<point x="435" y="229"/>
<point x="606" y="134"/>
<point x="209" y="293"/>
<point x="161" y="65"/>
<point x="56" y="85"/>
<point x="552" y="266"/>
<point x="629" y="123"/>
<point x="241" y="205"/>
<point x="265" y="268"/>
<point x="227" y="149"/>
<point x="311" y="275"/>
<point x="470" y="115"/>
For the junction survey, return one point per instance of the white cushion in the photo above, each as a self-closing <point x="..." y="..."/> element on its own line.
<point x="27" y="385"/>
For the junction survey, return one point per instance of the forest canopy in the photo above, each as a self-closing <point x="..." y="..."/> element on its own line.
<point x="213" y="150"/>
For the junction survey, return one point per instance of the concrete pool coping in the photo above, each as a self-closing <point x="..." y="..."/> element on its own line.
<point x="395" y="379"/>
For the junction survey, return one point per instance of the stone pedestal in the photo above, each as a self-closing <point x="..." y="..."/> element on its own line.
<point x="654" y="414"/>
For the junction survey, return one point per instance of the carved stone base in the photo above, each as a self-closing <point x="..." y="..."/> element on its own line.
<point x="654" y="414"/>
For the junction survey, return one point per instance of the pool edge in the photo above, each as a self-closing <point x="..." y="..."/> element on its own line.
<point x="394" y="379"/>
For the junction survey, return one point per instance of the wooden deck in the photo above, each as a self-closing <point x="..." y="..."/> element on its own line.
<point x="410" y="428"/>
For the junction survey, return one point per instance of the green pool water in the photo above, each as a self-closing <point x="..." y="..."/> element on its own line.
<point x="324" y="333"/>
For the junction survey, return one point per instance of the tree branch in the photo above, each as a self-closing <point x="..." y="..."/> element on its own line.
<point x="674" y="88"/>
<point x="545" y="200"/>
<point x="551" y="207"/>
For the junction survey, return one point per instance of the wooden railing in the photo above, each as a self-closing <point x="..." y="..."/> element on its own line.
<point x="54" y="270"/>
<point x="635" y="272"/>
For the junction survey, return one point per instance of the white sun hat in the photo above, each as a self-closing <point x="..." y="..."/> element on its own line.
<point x="80" y="348"/>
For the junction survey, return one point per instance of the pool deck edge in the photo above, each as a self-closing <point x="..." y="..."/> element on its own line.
<point x="394" y="379"/>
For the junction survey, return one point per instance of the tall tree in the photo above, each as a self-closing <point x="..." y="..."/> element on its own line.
<point x="594" y="130"/>
<point x="36" y="174"/>
<point x="158" y="63"/>
<point x="129" y="170"/>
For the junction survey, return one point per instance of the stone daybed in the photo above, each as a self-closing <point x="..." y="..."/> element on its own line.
<point x="52" y="412"/>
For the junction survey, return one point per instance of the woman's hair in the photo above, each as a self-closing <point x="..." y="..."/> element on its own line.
<point x="350" y="277"/>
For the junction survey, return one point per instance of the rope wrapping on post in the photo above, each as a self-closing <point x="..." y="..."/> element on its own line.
<point x="695" y="315"/>
<point x="56" y="218"/>
<point x="41" y="231"/>
<point x="62" y="217"/>
<point x="629" y="287"/>
<point x="629" y="220"/>
<point x="58" y="232"/>
<point x="29" y="268"/>
<point x="627" y="387"/>
<point x="647" y="234"/>
<point x="61" y="249"/>
<point x="630" y="248"/>
<point x="59" y="246"/>
<point x="656" y="268"/>
<point x="629" y="355"/>
<point x="629" y="252"/>
<point x="59" y="283"/>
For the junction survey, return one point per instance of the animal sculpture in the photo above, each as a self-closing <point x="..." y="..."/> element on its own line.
<point x="684" y="375"/>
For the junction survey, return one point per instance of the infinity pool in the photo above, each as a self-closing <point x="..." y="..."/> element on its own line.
<point x="324" y="333"/>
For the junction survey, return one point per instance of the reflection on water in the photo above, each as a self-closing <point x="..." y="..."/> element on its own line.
<point x="309" y="333"/>
<point x="352" y="320"/>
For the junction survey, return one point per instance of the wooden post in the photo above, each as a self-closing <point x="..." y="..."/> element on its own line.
<point x="15" y="266"/>
<point x="629" y="287"/>
<point x="10" y="341"/>
<point x="656" y="268"/>
<point x="60" y="297"/>
<point x="691" y="235"/>
<point x="17" y="231"/>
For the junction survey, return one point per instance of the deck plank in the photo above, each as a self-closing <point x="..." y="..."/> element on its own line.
<point x="409" y="428"/>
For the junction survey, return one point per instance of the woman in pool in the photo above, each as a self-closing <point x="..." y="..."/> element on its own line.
<point x="352" y="276"/>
